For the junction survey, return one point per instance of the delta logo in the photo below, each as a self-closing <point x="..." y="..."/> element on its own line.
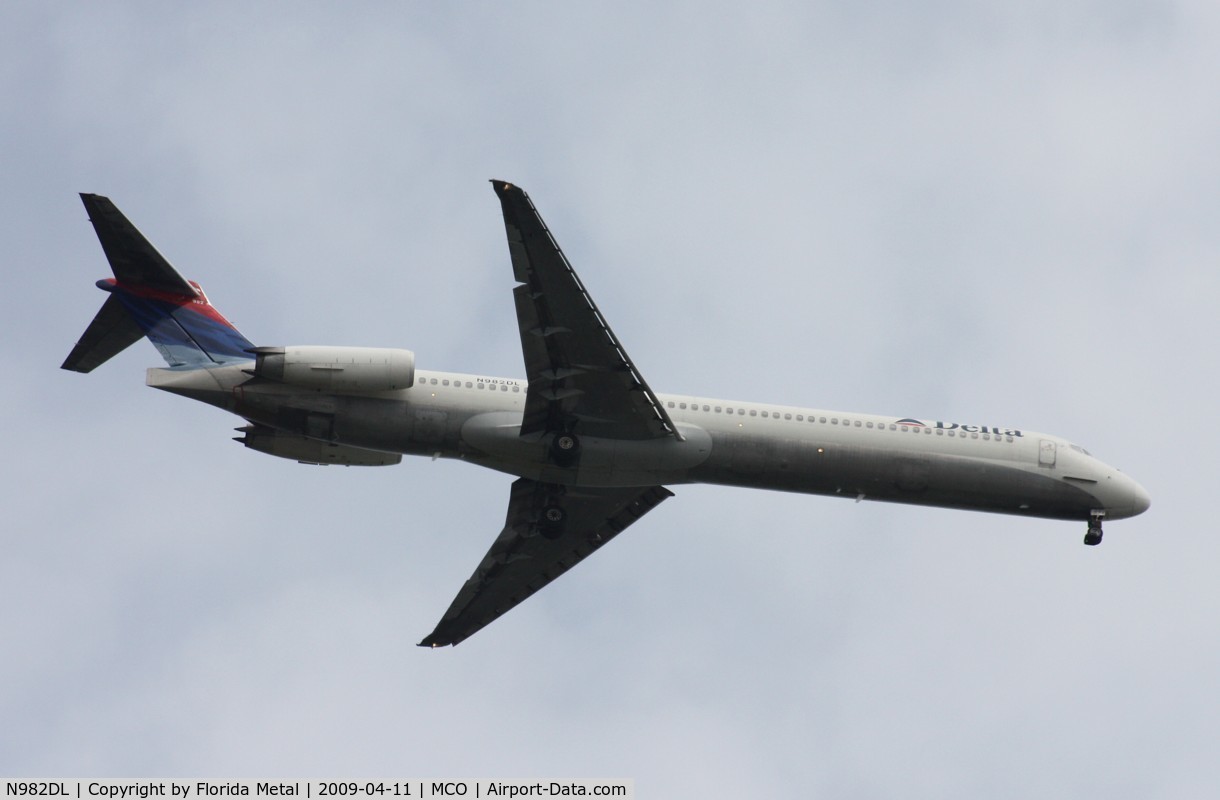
<point x="908" y="422"/>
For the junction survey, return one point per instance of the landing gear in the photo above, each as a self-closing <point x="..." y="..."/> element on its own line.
<point x="551" y="523"/>
<point x="565" y="450"/>
<point x="1093" y="537"/>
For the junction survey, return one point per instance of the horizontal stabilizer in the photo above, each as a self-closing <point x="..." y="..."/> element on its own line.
<point x="133" y="259"/>
<point x="111" y="332"/>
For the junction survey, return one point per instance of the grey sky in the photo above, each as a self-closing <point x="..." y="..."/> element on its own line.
<point x="977" y="212"/>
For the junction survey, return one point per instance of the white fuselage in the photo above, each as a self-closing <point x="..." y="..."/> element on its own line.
<point x="861" y="456"/>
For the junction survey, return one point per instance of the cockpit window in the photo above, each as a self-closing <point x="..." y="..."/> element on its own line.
<point x="1080" y="449"/>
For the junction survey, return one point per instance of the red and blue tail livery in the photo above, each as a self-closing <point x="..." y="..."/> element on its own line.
<point x="149" y="298"/>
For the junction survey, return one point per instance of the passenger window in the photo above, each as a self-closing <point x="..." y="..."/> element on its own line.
<point x="504" y="387"/>
<point x="445" y="382"/>
<point x="787" y="416"/>
<point x="682" y="406"/>
<point x="718" y="409"/>
<point x="821" y="419"/>
<point x="764" y="413"/>
<point x="834" y="420"/>
<point x="741" y="411"/>
<point x="753" y="413"/>
<point x="800" y="417"/>
<point x="706" y="408"/>
<point x="857" y="423"/>
<point x="671" y="403"/>
<point x="516" y="388"/>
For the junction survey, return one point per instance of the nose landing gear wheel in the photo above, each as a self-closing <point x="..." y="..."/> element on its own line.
<point x="1093" y="537"/>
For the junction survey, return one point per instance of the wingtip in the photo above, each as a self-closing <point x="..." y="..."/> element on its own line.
<point x="441" y="638"/>
<point x="95" y="204"/>
<point x="74" y="366"/>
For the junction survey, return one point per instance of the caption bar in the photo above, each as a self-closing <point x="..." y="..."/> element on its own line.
<point x="310" y="790"/>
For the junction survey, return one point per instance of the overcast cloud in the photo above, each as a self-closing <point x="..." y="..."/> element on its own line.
<point x="994" y="213"/>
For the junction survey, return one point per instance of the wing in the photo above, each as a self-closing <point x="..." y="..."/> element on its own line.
<point x="549" y="529"/>
<point x="580" y="378"/>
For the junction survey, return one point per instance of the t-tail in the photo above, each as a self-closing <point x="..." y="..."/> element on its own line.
<point x="149" y="298"/>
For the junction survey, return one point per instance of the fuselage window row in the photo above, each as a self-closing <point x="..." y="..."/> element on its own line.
<point x="881" y="426"/>
<point x="503" y="387"/>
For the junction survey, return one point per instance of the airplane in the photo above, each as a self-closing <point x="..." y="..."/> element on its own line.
<point x="592" y="446"/>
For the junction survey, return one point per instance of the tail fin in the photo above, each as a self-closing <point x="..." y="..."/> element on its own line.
<point x="149" y="298"/>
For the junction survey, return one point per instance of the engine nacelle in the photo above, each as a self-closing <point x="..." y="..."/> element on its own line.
<point x="311" y="451"/>
<point x="337" y="369"/>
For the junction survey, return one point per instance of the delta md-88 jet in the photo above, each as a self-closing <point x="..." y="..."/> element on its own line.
<point x="592" y="446"/>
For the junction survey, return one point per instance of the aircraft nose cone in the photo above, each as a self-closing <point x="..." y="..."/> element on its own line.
<point x="1128" y="498"/>
<point x="1140" y="501"/>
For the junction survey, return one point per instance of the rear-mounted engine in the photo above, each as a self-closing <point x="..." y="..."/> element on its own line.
<point x="311" y="451"/>
<point x="337" y="369"/>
